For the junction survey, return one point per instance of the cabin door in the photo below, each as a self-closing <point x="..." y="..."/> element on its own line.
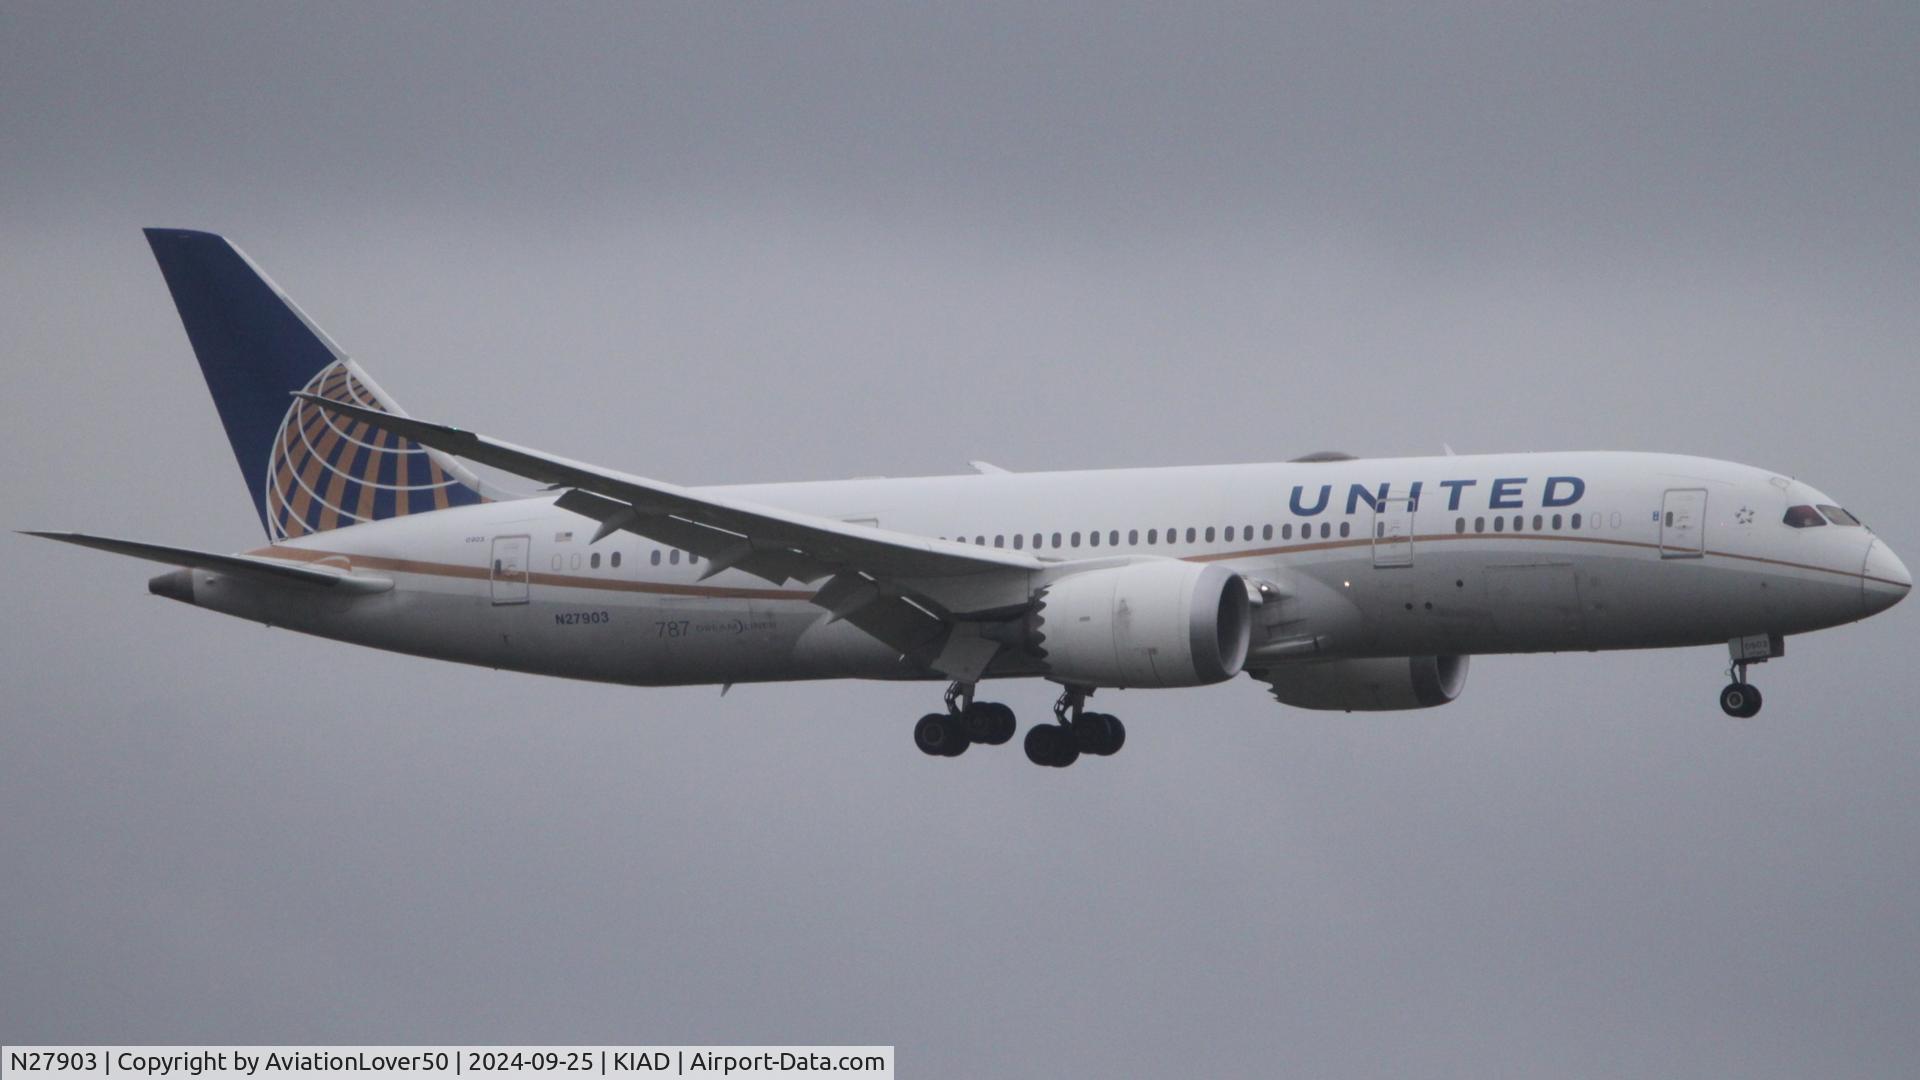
<point x="509" y="569"/>
<point x="1683" y="524"/>
<point x="1393" y="533"/>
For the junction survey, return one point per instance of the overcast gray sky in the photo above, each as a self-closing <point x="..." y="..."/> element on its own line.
<point x="730" y="244"/>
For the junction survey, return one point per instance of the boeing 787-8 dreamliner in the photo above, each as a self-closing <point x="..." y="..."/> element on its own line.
<point x="1339" y="582"/>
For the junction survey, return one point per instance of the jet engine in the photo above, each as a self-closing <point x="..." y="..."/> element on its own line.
<point x="1371" y="684"/>
<point x="1157" y="623"/>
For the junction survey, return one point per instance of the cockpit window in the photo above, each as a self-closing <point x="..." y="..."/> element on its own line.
<point x="1838" y="516"/>
<point x="1804" y="517"/>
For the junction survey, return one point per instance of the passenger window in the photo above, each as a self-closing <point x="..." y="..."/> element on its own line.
<point x="1266" y="532"/>
<point x="1345" y="528"/>
<point x="1190" y="535"/>
<point x="1479" y="524"/>
<point x="1133" y="537"/>
<point x="1093" y="538"/>
<point x="674" y="556"/>
<point x="1459" y="526"/>
<point x="1209" y="534"/>
<point x="1153" y="536"/>
<point x="1018" y="540"/>
<point x="1499" y="524"/>
<point x="1576" y="521"/>
<point x="655" y="558"/>
<point x="1113" y="538"/>
<point x="1056" y="539"/>
<point x="1838" y="516"/>
<point x="1536" y="523"/>
<point x="1229" y="534"/>
<point x="1246" y="532"/>
<point x="980" y="540"/>
<point x="1669" y="519"/>
<point x="1286" y="531"/>
<point x="594" y="561"/>
<point x="1803" y="517"/>
<point x="1556" y="523"/>
<point x="1000" y="541"/>
<point x="1075" y="539"/>
<point x="616" y="560"/>
<point x="1326" y="530"/>
<point x="1036" y="541"/>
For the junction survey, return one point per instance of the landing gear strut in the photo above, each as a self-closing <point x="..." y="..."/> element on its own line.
<point x="1074" y="732"/>
<point x="965" y="722"/>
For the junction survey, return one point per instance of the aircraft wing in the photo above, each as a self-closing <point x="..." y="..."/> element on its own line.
<point x="247" y="566"/>
<point x="871" y="569"/>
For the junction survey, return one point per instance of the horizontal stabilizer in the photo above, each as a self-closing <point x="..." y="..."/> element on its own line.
<point x="247" y="566"/>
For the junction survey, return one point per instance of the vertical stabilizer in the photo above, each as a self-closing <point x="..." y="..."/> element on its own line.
<point x="305" y="470"/>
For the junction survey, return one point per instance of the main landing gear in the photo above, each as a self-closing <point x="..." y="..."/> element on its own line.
<point x="1074" y="732"/>
<point x="966" y="721"/>
<point x="1741" y="699"/>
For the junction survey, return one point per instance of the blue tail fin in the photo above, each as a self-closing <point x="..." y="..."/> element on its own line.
<point x="307" y="471"/>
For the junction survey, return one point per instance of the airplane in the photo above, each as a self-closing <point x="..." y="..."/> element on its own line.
<point x="1341" y="583"/>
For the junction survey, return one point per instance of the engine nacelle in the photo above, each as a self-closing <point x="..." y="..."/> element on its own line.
<point x="1370" y="685"/>
<point x="1161" y="623"/>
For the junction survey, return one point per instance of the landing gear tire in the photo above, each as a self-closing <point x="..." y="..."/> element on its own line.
<point x="1004" y="732"/>
<point x="1099" y="733"/>
<point x="1051" y="745"/>
<point x="1740" y="700"/>
<point x="940" y="735"/>
<point x="988" y="722"/>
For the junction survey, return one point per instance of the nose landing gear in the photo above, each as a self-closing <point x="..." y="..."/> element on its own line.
<point x="1741" y="699"/>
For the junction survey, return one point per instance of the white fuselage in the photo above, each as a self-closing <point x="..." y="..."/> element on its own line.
<point x="1624" y="550"/>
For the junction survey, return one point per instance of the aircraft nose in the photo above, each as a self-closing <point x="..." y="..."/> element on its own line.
<point x="1884" y="580"/>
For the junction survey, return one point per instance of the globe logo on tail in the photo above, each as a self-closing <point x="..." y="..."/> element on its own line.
<point x="327" y="472"/>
